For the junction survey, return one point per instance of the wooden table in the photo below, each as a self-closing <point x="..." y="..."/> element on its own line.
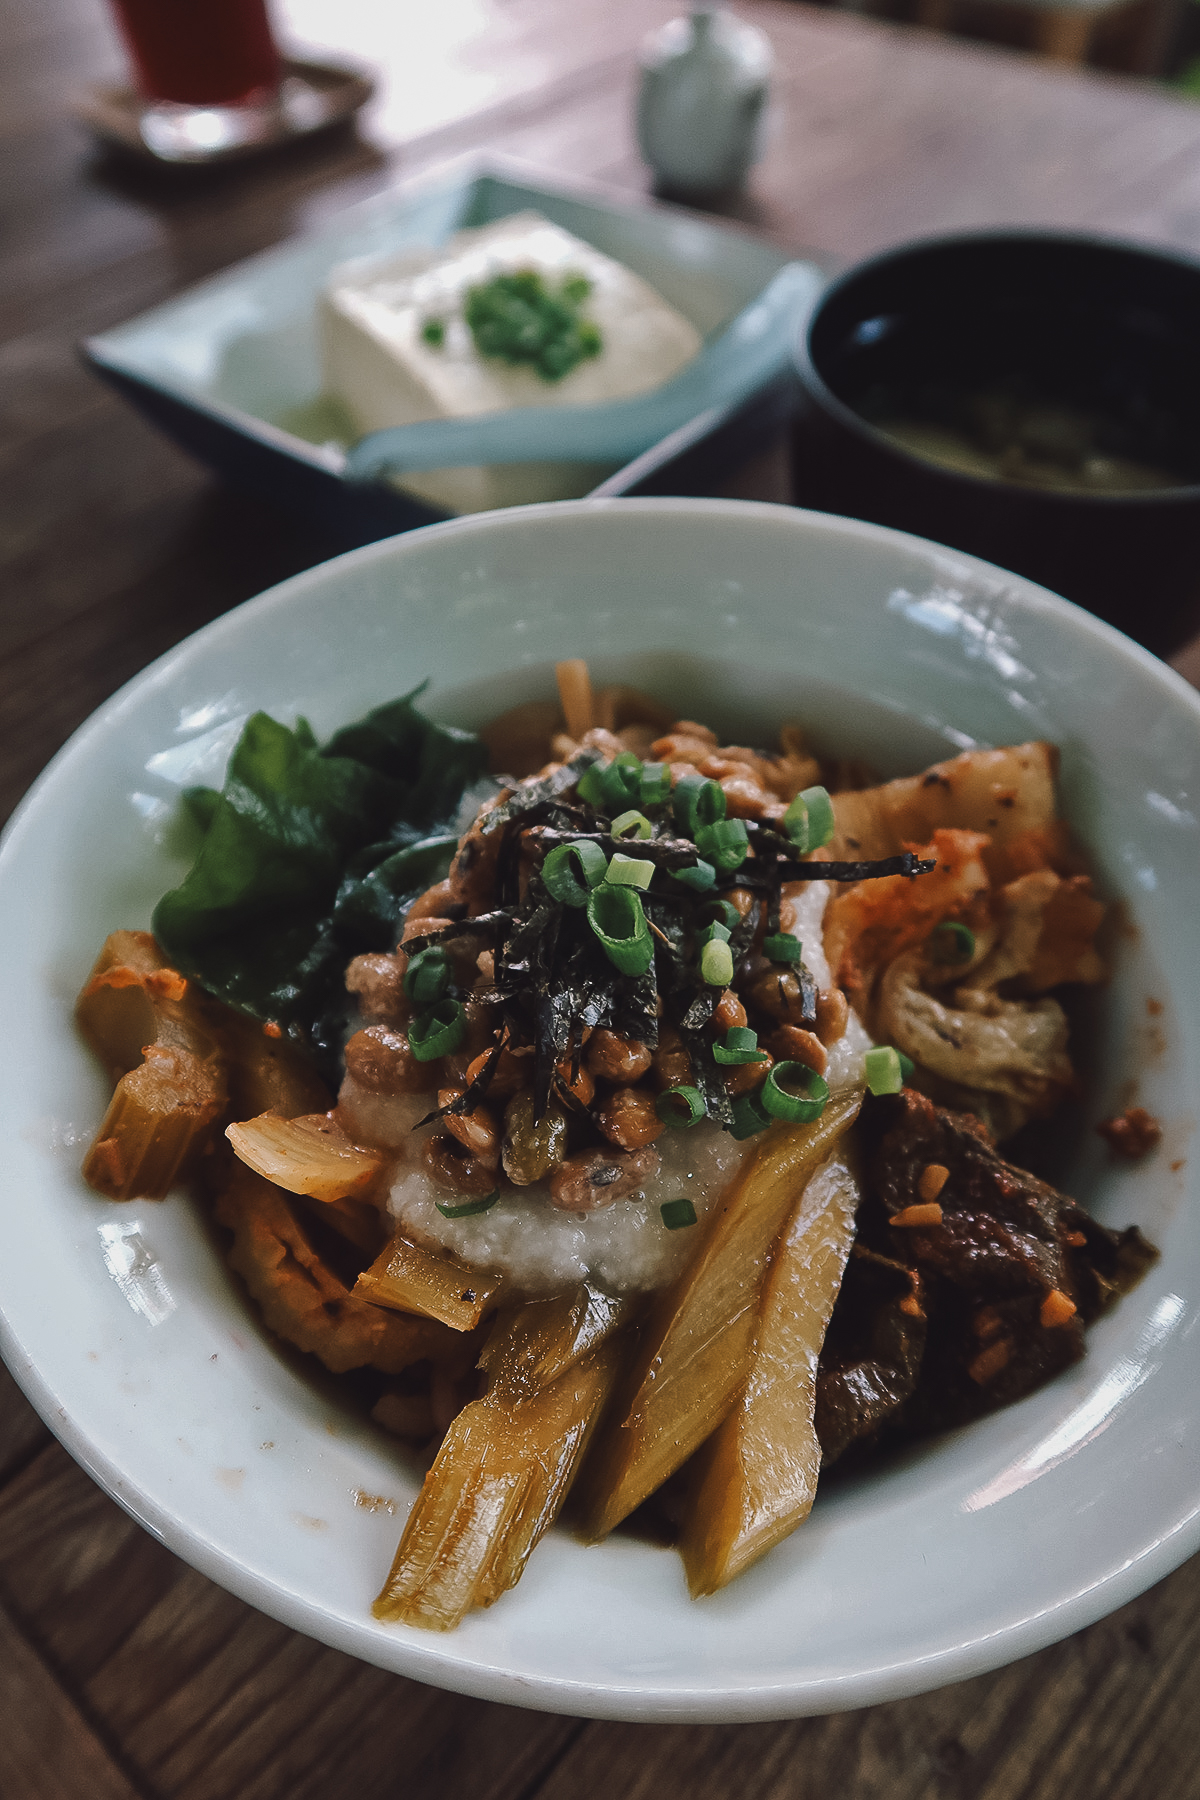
<point x="122" y="1672"/>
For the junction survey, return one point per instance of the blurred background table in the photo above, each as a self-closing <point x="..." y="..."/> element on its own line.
<point x="123" y="1673"/>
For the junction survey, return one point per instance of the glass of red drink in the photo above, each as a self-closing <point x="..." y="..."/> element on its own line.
<point x="200" y="52"/>
<point x="208" y="72"/>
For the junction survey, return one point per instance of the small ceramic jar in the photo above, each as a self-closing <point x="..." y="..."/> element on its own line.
<point x="702" y="100"/>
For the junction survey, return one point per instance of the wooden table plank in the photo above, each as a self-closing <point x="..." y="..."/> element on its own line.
<point x="211" y="1699"/>
<point x="22" y="1433"/>
<point x="1096" y="1718"/>
<point x="47" y="1749"/>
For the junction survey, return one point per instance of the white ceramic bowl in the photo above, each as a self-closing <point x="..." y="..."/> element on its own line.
<point x="126" y="1332"/>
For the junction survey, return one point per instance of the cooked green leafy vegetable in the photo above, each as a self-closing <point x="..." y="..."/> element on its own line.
<point x="312" y="854"/>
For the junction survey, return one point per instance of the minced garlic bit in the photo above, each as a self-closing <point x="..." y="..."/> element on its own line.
<point x="934" y="1177"/>
<point x="918" y="1215"/>
<point x="1057" y="1309"/>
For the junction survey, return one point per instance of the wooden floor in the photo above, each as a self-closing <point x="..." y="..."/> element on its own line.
<point x="122" y="1672"/>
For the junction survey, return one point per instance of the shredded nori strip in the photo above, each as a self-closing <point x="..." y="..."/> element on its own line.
<point x="480" y="926"/>
<point x="700" y="1011"/>
<point x="741" y="938"/>
<point x="635" y="1007"/>
<point x="707" y="1076"/>
<point x="808" y="997"/>
<point x="787" y="867"/>
<point x="908" y="865"/>
<point x="668" y="853"/>
<point x="533" y="794"/>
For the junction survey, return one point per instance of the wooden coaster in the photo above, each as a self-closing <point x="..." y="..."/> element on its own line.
<point x="312" y="97"/>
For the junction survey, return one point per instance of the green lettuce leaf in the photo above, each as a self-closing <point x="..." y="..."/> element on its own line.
<point x="311" y="854"/>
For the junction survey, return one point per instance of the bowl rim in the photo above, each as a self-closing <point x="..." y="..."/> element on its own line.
<point x="812" y="381"/>
<point x="840" y="1690"/>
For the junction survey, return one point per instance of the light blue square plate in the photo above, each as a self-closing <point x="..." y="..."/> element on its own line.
<point x="231" y="368"/>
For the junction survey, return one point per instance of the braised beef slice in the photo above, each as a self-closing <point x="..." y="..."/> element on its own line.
<point x="1005" y="1242"/>
<point x="872" y="1352"/>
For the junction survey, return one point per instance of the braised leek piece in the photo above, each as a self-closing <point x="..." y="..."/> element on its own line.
<point x="758" y="1475"/>
<point x="116" y="1010"/>
<point x="154" y="1031"/>
<point x="310" y="1155"/>
<point x="495" y="1488"/>
<point x="267" y="1072"/>
<point x="575" y="1402"/>
<point x="534" y="1344"/>
<point x="302" y="1298"/>
<point x="412" y="1280"/>
<point x="695" y="1350"/>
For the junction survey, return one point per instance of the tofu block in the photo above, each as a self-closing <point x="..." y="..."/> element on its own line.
<point x="382" y="372"/>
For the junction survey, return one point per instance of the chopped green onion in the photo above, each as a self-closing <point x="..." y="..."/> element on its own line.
<point x="716" y="963"/>
<point x="590" y="786"/>
<point x="433" y="331"/>
<point x="427" y="976"/>
<point x="615" y="787"/>
<point x="886" y="1069"/>
<point x="615" y="915"/>
<point x="698" y="803"/>
<point x="740" y="1046"/>
<point x="438" y="1032"/>
<point x="469" y="1210"/>
<point x="783" y="948"/>
<point x="683" y="803"/>
<point x="714" y="933"/>
<point x="633" y="821"/>
<point x="700" y="877"/>
<point x="906" y="1065"/>
<point x="749" y="1117"/>
<point x="809" y="820"/>
<point x="710" y="803"/>
<point x="629" y="871"/>
<point x="656" y="784"/>
<point x="622" y="782"/>
<point x="782" y="1103"/>
<point x="677" y="1213"/>
<point x="680" y="1107"/>
<point x="723" y="912"/>
<point x="725" y="843"/>
<point x="571" y="871"/>
<point x="951" y="942"/>
<point x="521" y="317"/>
<point x="821" y="822"/>
<point x="795" y="821"/>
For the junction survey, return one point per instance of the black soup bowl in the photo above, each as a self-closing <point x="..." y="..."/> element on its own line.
<point x="1031" y="398"/>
